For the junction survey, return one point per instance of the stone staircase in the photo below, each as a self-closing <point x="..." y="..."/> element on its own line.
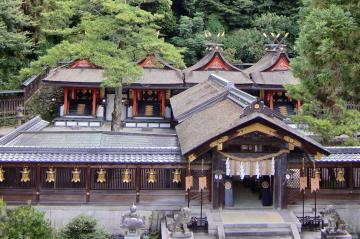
<point x="260" y="224"/>
<point x="259" y="231"/>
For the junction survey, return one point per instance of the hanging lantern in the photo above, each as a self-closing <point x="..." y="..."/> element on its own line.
<point x="340" y="176"/>
<point x="101" y="176"/>
<point x="2" y="175"/>
<point x="75" y="176"/>
<point x="177" y="176"/>
<point x="50" y="175"/>
<point x="126" y="176"/>
<point x="25" y="175"/>
<point x="152" y="176"/>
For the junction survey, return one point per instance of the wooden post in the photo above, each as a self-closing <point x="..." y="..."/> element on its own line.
<point x="350" y="177"/>
<point x="163" y="95"/>
<point x="88" y="184"/>
<point x="66" y="91"/>
<point x="93" y="111"/>
<point x="138" y="182"/>
<point x="271" y="100"/>
<point x="134" y="112"/>
<point x="37" y="183"/>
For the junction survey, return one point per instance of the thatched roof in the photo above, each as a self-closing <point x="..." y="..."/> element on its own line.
<point x="203" y="121"/>
<point x="204" y="94"/>
<point x="264" y="75"/>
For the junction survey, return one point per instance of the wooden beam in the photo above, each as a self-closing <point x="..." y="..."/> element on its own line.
<point x="134" y="109"/>
<point x="88" y="184"/>
<point x="163" y="95"/>
<point x="66" y="103"/>
<point x="37" y="183"/>
<point x="138" y="183"/>
<point x="93" y="110"/>
<point x="271" y="100"/>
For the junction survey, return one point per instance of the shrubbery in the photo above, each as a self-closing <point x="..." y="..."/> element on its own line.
<point x="83" y="227"/>
<point x="26" y="222"/>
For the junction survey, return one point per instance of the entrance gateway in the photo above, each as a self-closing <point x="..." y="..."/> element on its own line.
<point x="247" y="144"/>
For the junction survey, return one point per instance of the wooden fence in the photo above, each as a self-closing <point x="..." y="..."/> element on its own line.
<point x="8" y="106"/>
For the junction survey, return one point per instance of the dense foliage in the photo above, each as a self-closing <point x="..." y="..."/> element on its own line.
<point x="323" y="38"/>
<point x="328" y="64"/>
<point x="24" y="222"/>
<point x="83" y="227"/>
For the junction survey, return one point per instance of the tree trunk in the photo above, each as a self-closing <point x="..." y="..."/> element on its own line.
<point x="116" y="124"/>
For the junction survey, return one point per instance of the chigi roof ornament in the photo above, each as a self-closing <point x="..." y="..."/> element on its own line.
<point x="275" y="42"/>
<point x="214" y="41"/>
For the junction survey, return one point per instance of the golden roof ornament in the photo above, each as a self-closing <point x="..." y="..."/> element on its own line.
<point x="2" y="175"/>
<point x="101" y="176"/>
<point x="176" y="176"/>
<point x="75" y="176"/>
<point x="126" y="176"/>
<point x="25" y="175"/>
<point x="152" y="176"/>
<point x="340" y="176"/>
<point x="50" y="175"/>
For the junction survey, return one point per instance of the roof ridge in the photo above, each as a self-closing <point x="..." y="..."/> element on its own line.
<point x="16" y="132"/>
<point x="238" y="96"/>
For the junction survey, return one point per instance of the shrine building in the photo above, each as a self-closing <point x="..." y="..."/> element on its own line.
<point x="211" y="129"/>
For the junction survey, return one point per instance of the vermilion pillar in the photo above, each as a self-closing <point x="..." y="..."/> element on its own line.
<point x="93" y="110"/>
<point x="66" y="107"/>
<point x="271" y="100"/>
<point x="163" y="95"/>
<point x="134" y="112"/>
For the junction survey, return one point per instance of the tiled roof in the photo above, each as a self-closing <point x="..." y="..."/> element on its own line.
<point x="68" y="139"/>
<point x="73" y="157"/>
<point x="342" y="154"/>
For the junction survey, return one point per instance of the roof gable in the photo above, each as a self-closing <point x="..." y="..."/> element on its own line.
<point x="82" y="63"/>
<point x="227" y="112"/>
<point x="213" y="60"/>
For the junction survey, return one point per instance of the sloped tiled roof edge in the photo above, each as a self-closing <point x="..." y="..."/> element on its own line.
<point x="29" y="125"/>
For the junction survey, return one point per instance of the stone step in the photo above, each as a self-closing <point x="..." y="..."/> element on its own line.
<point x="260" y="225"/>
<point x="257" y="232"/>
<point x="259" y="237"/>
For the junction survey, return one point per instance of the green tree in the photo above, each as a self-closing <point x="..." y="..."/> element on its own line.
<point x="83" y="227"/>
<point x="191" y="36"/>
<point x="326" y="64"/>
<point x="25" y="222"/>
<point x="111" y="34"/>
<point x="15" y="46"/>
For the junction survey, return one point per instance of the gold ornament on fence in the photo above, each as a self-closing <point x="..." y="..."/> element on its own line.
<point x="75" y="176"/>
<point x="152" y="176"/>
<point x="126" y="176"/>
<point x="2" y="175"/>
<point x="50" y="175"/>
<point x="25" y="175"/>
<point x="340" y="176"/>
<point x="176" y="176"/>
<point x="101" y="176"/>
